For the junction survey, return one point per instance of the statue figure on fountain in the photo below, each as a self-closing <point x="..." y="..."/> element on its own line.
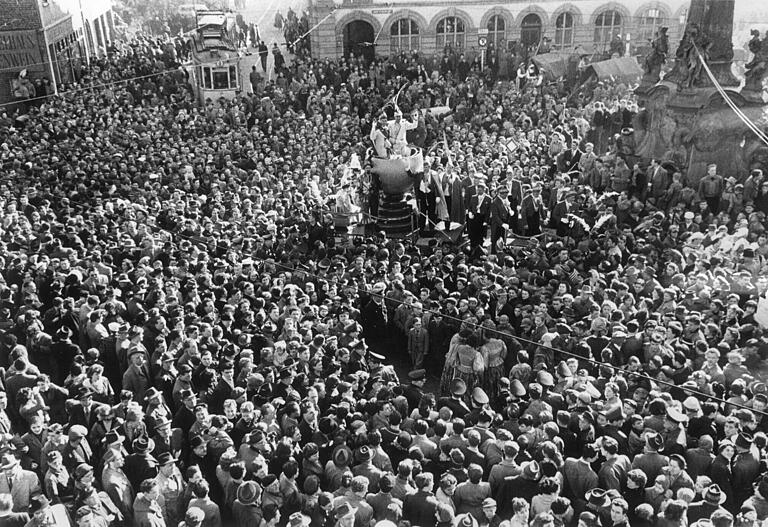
<point x="757" y="68"/>
<point x="657" y="57"/>
<point x="690" y="57"/>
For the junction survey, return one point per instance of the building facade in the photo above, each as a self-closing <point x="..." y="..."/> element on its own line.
<point x="384" y="28"/>
<point x="48" y="39"/>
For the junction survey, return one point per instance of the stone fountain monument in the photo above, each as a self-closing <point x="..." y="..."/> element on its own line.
<point x="684" y="119"/>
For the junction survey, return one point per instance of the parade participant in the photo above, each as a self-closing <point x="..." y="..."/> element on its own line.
<point x="379" y="137"/>
<point x="397" y="130"/>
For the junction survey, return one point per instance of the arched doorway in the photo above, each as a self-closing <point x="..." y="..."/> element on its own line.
<point x="358" y="40"/>
<point x="530" y="30"/>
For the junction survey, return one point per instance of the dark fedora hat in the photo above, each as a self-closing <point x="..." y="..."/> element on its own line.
<point x="597" y="498"/>
<point x="654" y="441"/>
<point x="248" y="492"/>
<point x="714" y="495"/>
<point x="143" y="445"/>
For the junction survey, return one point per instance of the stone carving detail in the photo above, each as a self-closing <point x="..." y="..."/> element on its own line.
<point x="757" y="68"/>
<point x="689" y="68"/>
<point x="656" y="57"/>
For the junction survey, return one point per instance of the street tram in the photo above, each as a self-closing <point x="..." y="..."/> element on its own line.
<point x="215" y="57"/>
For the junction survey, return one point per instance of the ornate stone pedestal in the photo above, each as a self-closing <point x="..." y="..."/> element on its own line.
<point x="694" y="127"/>
<point x="685" y="120"/>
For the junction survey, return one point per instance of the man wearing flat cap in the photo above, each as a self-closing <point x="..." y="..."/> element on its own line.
<point x="373" y="318"/>
<point x="377" y="368"/>
<point x="136" y="378"/>
<point x="414" y="391"/>
<point x="455" y="402"/>
<point x="77" y="450"/>
<point x="746" y="468"/>
<point x="479" y="402"/>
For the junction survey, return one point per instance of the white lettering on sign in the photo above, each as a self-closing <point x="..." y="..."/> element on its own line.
<point x="18" y="49"/>
<point x="17" y="41"/>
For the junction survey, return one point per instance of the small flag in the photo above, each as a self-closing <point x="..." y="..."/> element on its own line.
<point x="512" y="145"/>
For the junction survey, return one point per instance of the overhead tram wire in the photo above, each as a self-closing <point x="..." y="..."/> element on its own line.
<point x="314" y="27"/>
<point x="739" y="113"/>
<point x="574" y="44"/>
<point x="557" y="12"/>
<point x="692" y="391"/>
<point x="264" y="13"/>
<point x="59" y="61"/>
<point x="111" y="83"/>
<point x="44" y="63"/>
<point x="702" y="395"/>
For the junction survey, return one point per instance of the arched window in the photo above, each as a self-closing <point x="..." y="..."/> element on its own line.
<point x="650" y="20"/>
<point x="530" y="30"/>
<point x="451" y="32"/>
<point x="564" y="31"/>
<point x="607" y="25"/>
<point x="496" y="30"/>
<point x="404" y="35"/>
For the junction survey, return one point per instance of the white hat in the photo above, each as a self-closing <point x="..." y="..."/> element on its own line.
<point x="691" y="403"/>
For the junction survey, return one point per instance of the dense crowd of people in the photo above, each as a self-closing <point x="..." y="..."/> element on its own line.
<point x="187" y="340"/>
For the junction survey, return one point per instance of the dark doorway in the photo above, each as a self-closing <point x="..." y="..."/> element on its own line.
<point x="358" y="40"/>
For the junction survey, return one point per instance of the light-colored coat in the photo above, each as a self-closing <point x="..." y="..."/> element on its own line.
<point x="25" y="485"/>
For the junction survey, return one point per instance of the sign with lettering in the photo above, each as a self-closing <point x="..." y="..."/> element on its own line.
<point x="19" y="50"/>
<point x="382" y="11"/>
<point x="482" y="37"/>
